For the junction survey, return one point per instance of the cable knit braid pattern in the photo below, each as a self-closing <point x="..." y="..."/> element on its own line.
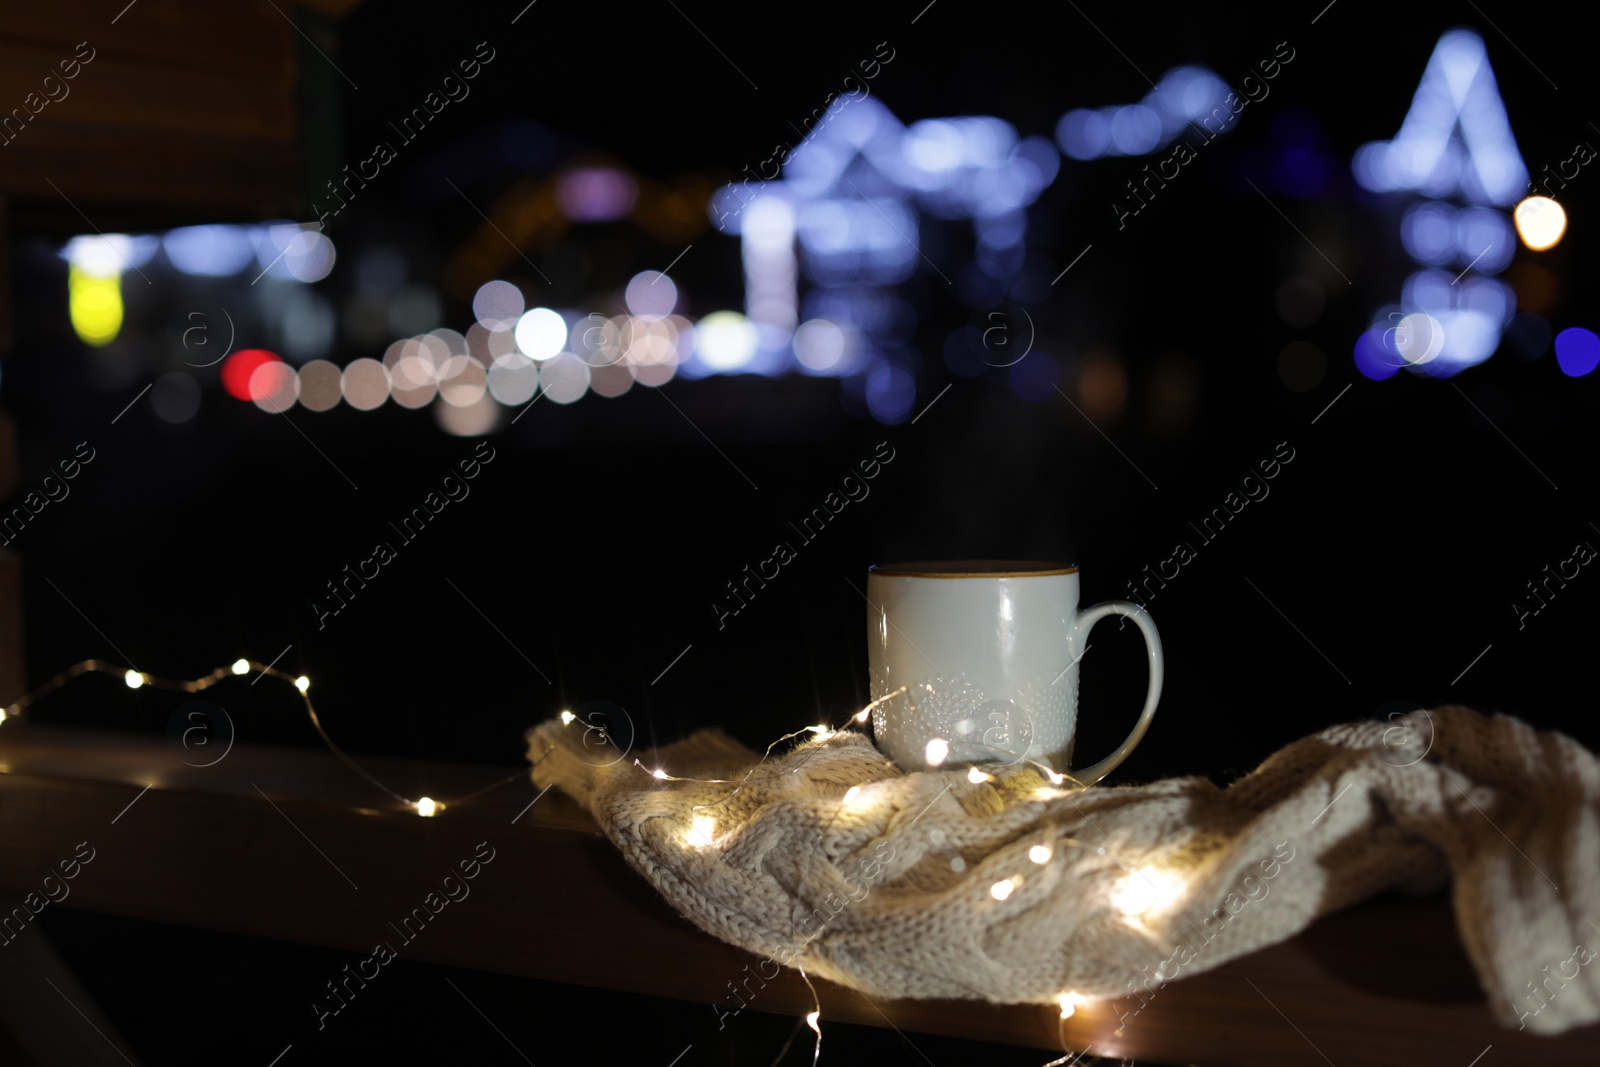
<point x="1011" y="889"/>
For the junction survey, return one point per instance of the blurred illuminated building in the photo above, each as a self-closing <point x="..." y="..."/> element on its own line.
<point x="852" y="214"/>
<point x="1455" y="148"/>
<point x="830" y="251"/>
<point x="849" y="216"/>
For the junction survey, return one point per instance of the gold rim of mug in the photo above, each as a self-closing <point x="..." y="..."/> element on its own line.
<point x="973" y="568"/>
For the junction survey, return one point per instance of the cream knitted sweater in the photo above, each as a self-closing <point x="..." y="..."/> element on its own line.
<point x="1013" y="890"/>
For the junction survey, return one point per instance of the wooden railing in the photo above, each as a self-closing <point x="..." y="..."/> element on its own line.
<point x="288" y="844"/>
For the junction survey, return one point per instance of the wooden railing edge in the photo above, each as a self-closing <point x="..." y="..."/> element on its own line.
<point x="287" y="844"/>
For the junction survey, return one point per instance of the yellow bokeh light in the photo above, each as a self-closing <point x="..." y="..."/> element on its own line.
<point x="241" y="666"/>
<point x="1001" y="890"/>
<point x="134" y="679"/>
<point x="426" y="807"/>
<point x="1540" y="222"/>
<point x="1102" y="386"/>
<point x="937" y="751"/>
<point x="94" y="303"/>
<point x="702" y="831"/>
<point x="1069" y="1004"/>
<point x="302" y="683"/>
<point x="1040" y="854"/>
<point x="1147" y="889"/>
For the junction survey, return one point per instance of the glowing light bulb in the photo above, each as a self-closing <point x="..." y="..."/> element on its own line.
<point x="821" y="731"/>
<point x="811" y="1021"/>
<point x="702" y="831"/>
<point x="864" y="714"/>
<point x="1147" y="889"/>
<point x="1069" y="1004"/>
<point x="426" y="807"/>
<point x="1040" y="854"/>
<point x="1540" y="222"/>
<point x="976" y="777"/>
<point x="937" y="752"/>
<point x="851" y="793"/>
<point x="2" y="715"/>
<point x="134" y="679"/>
<point x="241" y="666"/>
<point x="302" y="683"/>
<point x="566" y="718"/>
<point x="659" y="773"/>
<point x="1055" y="779"/>
<point x="1003" y="889"/>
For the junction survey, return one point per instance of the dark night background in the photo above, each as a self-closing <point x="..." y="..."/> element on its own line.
<point x="596" y="539"/>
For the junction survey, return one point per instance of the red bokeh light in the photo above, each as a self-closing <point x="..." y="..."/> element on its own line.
<point x="238" y="369"/>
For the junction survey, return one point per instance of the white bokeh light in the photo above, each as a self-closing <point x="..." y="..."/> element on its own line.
<point x="725" y="340"/>
<point x="513" y="379"/>
<point x="1541" y="221"/>
<point x="819" y="345"/>
<point x="288" y="250"/>
<point x="498" y="305"/>
<point x="651" y="293"/>
<point x="564" y="378"/>
<point x="274" y="386"/>
<point x="1419" y="337"/>
<point x="365" y="384"/>
<point x="474" y="420"/>
<point x="541" y="333"/>
<point x="462" y="382"/>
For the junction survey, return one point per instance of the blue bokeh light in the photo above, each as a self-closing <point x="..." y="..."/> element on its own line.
<point x="964" y="352"/>
<point x="1135" y="130"/>
<point x="209" y="251"/>
<point x="1083" y="134"/>
<point x="1428" y="233"/>
<point x="1577" y="351"/>
<point x="1184" y="94"/>
<point x="890" y="393"/>
<point x="1484" y="240"/>
<point x="1034" y="377"/>
<point x="1375" y="354"/>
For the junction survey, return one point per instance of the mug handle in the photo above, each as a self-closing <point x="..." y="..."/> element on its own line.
<point x="1152" y="640"/>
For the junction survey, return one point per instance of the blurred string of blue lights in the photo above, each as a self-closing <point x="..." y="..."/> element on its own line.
<point x="1456" y="144"/>
<point x="825" y="248"/>
<point x="1183" y="95"/>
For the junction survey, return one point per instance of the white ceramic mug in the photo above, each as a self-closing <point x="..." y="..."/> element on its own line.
<point x="988" y="653"/>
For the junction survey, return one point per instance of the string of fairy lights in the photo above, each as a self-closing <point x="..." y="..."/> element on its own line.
<point x="427" y="807"/>
<point x="1143" y="891"/>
